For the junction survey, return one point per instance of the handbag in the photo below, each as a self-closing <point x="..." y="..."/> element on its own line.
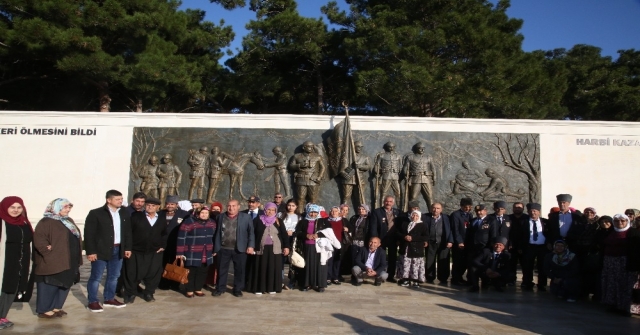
<point x="296" y="259"/>
<point x="175" y="272"/>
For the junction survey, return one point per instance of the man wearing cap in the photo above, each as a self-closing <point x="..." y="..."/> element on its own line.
<point x="460" y="220"/>
<point x="481" y="233"/>
<point x="149" y="234"/>
<point x="534" y="245"/>
<point x="278" y="199"/>
<point x="173" y="216"/>
<point x="137" y="203"/>
<point x="492" y="266"/>
<point x="439" y="244"/>
<point x="254" y="210"/>
<point x="383" y="220"/>
<point x="169" y="176"/>
<point x="196" y="204"/>
<point x="503" y="222"/>
<point x="234" y="239"/>
<point x="566" y="224"/>
<point x="420" y="174"/>
<point x="518" y="220"/>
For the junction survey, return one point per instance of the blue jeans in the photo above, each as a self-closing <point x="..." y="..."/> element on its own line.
<point x="113" y="266"/>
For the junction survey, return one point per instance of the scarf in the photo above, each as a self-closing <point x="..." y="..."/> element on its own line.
<point x="621" y="216"/>
<point x="339" y="218"/>
<point x="563" y="258"/>
<point x="269" y="220"/>
<point x="4" y="211"/>
<point x="414" y="223"/>
<point x="53" y="212"/>
<point x="312" y="208"/>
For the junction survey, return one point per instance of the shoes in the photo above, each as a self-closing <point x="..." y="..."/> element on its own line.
<point x="4" y="323"/>
<point x="198" y="294"/>
<point x="392" y="280"/>
<point x="237" y="294"/>
<point x="377" y="283"/>
<point x="258" y="293"/>
<point x="357" y="283"/>
<point x="415" y="284"/>
<point x="48" y="316"/>
<point x="336" y="282"/>
<point x="306" y="289"/>
<point x="329" y="282"/>
<point x="61" y="313"/>
<point x="321" y="289"/>
<point x="113" y="303"/>
<point x="405" y="283"/>
<point x="216" y="293"/>
<point x="129" y="299"/>
<point x="474" y="289"/>
<point x="150" y="298"/>
<point x="272" y="292"/>
<point x="95" y="307"/>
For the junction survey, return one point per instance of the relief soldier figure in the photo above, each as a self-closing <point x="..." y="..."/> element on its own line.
<point x="420" y="175"/>
<point x="498" y="188"/>
<point x="170" y="178"/>
<point x="309" y="168"/>
<point x="348" y="175"/>
<point x="281" y="176"/>
<point x="387" y="172"/>
<point x="198" y="163"/>
<point x="149" y="185"/>
<point x="214" y="171"/>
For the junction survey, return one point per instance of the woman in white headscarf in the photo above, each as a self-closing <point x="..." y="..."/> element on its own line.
<point x="617" y="280"/>
<point x="411" y="236"/>
<point x="314" y="274"/>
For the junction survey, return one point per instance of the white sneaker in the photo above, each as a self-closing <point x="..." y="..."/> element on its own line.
<point x="258" y="293"/>
<point x="272" y="292"/>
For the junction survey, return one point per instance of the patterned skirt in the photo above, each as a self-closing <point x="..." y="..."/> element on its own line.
<point x="635" y="297"/>
<point x="410" y="268"/>
<point x="617" y="283"/>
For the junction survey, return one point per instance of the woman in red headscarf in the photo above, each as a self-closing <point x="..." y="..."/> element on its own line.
<point x="16" y="235"/>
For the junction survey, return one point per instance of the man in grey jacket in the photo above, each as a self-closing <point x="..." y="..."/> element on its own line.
<point x="233" y="240"/>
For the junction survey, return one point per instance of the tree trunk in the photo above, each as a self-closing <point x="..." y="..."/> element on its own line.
<point x="105" y="100"/>
<point x="320" y="93"/>
<point x="139" y="106"/>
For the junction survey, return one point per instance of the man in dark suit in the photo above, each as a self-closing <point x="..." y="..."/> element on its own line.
<point x="567" y="224"/>
<point x="149" y="236"/>
<point x="382" y="226"/>
<point x="481" y="232"/>
<point x="518" y="220"/>
<point x="254" y="210"/>
<point x="534" y="245"/>
<point x="137" y="203"/>
<point x="459" y="222"/>
<point x="370" y="263"/>
<point x="234" y="239"/>
<point x="174" y="216"/>
<point x="107" y="240"/>
<point x="438" y="246"/>
<point x="503" y="222"/>
<point x="492" y="266"/>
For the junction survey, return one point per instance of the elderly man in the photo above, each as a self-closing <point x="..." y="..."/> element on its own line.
<point x="503" y="221"/>
<point x="370" y="262"/>
<point x="460" y="220"/>
<point x="254" y="210"/>
<point x="567" y="224"/>
<point x="234" y="239"/>
<point x="481" y="233"/>
<point x="382" y="226"/>
<point x="149" y="241"/>
<point x="534" y="245"/>
<point x="492" y="266"/>
<point x="174" y="216"/>
<point x="438" y="246"/>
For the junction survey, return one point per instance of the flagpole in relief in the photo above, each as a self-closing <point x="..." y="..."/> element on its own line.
<point x="353" y="154"/>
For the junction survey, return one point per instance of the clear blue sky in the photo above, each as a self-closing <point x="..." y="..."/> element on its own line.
<point x="548" y="24"/>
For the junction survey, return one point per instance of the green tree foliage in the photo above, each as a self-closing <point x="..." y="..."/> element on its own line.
<point x="133" y="50"/>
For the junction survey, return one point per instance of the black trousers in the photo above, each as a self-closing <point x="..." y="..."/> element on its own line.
<point x="142" y="267"/>
<point x="197" y="276"/>
<point x="476" y="274"/>
<point x="239" y="259"/>
<point x="392" y="259"/>
<point x="459" y="259"/>
<point x="333" y="266"/>
<point x="513" y="263"/>
<point x="437" y="265"/>
<point x="533" y="256"/>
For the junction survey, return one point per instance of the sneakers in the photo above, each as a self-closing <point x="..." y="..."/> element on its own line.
<point x="4" y="323"/>
<point x="95" y="307"/>
<point x="113" y="303"/>
<point x="405" y="283"/>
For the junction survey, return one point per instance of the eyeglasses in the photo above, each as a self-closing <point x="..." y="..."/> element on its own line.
<point x="278" y="197"/>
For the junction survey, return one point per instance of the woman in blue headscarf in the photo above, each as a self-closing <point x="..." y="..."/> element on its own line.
<point x="314" y="274"/>
<point x="58" y="257"/>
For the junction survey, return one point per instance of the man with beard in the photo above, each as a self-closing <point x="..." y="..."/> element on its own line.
<point x="145" y="264"/>
<point x="137" y="204"/>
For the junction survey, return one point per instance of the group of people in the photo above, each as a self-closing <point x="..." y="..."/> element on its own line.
<point x="579" y="253"/>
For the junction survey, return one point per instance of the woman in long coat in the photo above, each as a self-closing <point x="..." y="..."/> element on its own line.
<point x="314" y="274"/>
<point x="272" y="242"/>
<point x="58" y="244"/>
<point x="16" y="235"/>
<point x="411" y="237"/>
<point x="195" y="246"/>
<point x="617" y="279"/>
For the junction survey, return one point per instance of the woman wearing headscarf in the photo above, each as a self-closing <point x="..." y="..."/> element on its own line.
<point x="340" y="227"/>
<point x="358" y="231"/>
<point x="58" y="245"/>
<point x="195" y="246"/>
<point x="265" y="267"/>
<point x="617" y="280"/>
<point x="16" y="235"/>
<point x="633" y="265"/>
<point x="314" y="274"/>
<point x="411" y="236"/>
<point x="563" y="269"/>
<point x="632" y="214"/>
